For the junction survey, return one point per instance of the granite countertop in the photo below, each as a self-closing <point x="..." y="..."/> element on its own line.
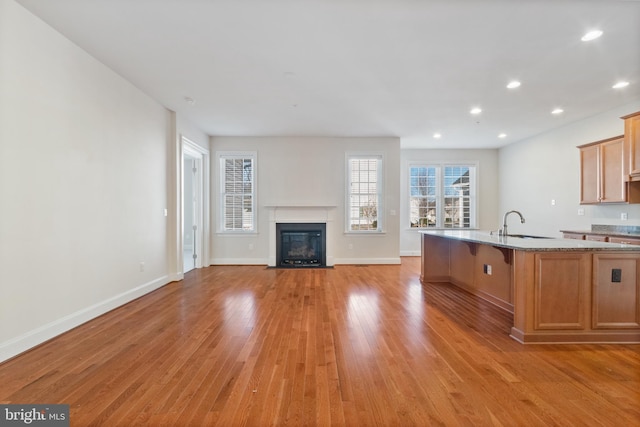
<point x="618" y="231"/>
<point x="530" y="244"/>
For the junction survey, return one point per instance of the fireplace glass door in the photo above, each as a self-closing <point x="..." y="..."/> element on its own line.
<point x="301" y="245"/>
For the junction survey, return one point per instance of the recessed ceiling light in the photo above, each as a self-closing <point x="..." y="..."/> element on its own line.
<point x="502" y="135"/>
<point x="476" y="110"/>
<point x="591" y="35"/>
<point x="437" y="135"/>
<point x="620" y="85"/>
<point x="557" y="111"/>
<point x="189" y="100"/>
<point x="513" y="84"/>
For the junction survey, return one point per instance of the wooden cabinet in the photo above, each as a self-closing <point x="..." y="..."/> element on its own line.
<point x="556" y="296"/>
<point x="561" y="290"/>
<point x="602" y="177"/>
<point x="589" y="174"/>
<point x="632" y="145"/>
<point x="576" y="297"/>
<point x="575" y="236"/>
<point x="599" y="237"/>
<point x="625" y="240"/>
<point x="616" y="291"/>
<point x="482" y="270"/>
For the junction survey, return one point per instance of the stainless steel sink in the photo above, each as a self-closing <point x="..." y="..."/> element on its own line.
<point x="527" y="236"/>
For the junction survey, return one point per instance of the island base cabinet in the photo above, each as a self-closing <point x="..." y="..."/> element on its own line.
<point x="556" y="296"/>
<point x="560" y="290"/>
<point x="616" y="293"/>
<point x="482" y="270"/>
<point x="435" y="259"/>
<point x="569" y="297"/>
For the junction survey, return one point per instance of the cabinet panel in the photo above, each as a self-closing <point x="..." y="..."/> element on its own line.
<point x="632" y="143"/>
<point x="496" y="281"/>
<point x="575" y="236"/>
<point x="612" y="186"/>
<point x="435" y="259"/>
<point x="560" y="290"/>
<point x="616" y="291"/>
<point x="589" y="171"/>
<point x="596" y="238"/>
<point x="625" y="240"/>
<point x="462" y="255"/>
<point x="602" y="172"/>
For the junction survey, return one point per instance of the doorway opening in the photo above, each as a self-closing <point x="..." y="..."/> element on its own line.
<point x="189" y="222"/>
<point x="194" y="206"/>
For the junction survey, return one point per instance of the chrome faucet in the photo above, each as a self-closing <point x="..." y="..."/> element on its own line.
<point x="503" y="232"/>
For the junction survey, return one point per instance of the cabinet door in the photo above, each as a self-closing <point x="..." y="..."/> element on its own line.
<point x="632" y="143"/>
<point x="625" y="240"/>
<point x="575" y="236"/>
<point x="589" y="171"/>
<point x="561" y="290"/>
<point x="612" y="185"/>
<point x="616" y="292"/>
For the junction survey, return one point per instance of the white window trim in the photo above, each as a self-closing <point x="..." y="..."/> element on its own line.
<point x="440" y="165"/>
<point x="380" y="156"/>
<point x="220" y="212"/>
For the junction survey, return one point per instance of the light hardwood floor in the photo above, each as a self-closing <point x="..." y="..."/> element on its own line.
<point x="353" y="345"/>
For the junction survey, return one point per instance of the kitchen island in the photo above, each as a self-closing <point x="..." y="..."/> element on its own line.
<point x="559" y="290"/>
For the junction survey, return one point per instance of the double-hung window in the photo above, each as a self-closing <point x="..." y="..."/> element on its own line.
<point x="364" y="193"/>
<point x="442" y="196"/>
<point x="237" y="192"/>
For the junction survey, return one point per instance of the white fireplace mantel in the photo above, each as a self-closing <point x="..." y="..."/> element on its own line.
<point x="299" y="214"/>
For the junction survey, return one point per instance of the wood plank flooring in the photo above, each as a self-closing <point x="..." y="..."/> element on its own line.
<point x="353" y="346"/>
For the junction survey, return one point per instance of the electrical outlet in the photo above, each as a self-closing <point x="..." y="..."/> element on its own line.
<point x="624" y="216"/>
<point x="487" y="269"/>
<point x="250" y="246"/>
<point x="553" y="202"/>
<point x="616" y="275"/>
<point x="141" y="266"/>
<point x="580" y="211"/>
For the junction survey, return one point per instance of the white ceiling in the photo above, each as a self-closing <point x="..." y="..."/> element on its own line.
<point x="405" y="68"/>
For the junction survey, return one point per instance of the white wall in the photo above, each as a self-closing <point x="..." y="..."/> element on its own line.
<point x="84" y="157"/>
<point x="547" y="167"/>
<point x="190" y="131"/>
<point x="487" y="186"/>
<point x="308" y="171"/>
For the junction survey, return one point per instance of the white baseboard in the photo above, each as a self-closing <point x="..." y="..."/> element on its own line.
<point x="239" y="261"/>
<point x="410" y="253"/>
<point x="24" y="342"/>
<point x="262" y="261"/>
<point x="367" y="261"/>
<point x="175" y="277"/>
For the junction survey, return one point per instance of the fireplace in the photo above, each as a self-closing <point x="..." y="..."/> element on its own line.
<point x="301" y="244"/>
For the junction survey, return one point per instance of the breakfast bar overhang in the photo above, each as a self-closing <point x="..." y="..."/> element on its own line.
<point x="559" y="290"/>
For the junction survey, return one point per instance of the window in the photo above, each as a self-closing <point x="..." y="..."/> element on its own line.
<point x="237" y="192"/>
<point x="442" y="196"/>
<point x="364" y="193"/>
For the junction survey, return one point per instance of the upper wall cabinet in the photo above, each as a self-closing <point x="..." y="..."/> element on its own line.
<point x="632" y="145"/>
<point x="601" y="172"/>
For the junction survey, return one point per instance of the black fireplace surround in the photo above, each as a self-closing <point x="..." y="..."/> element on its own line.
<point x="301" y="245"/>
